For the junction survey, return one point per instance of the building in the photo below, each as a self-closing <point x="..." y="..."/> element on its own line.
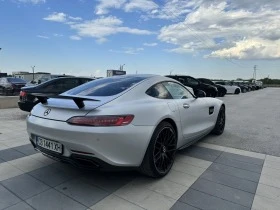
<point x="113" y="72"/>
<point x="30" y="76"/>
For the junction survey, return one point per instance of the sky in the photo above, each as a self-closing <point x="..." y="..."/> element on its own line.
<point x="217" y="39"/>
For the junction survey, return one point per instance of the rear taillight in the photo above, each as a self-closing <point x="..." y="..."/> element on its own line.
<point x="22" y="93"/>
<point x="107" y="120"/>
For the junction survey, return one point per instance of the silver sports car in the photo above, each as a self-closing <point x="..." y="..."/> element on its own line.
<point x="133" y="121"/>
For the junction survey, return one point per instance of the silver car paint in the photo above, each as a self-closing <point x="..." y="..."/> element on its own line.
<point x="124" y="145"/>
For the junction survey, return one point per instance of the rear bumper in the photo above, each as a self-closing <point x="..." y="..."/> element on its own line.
<point x="81" y="161"/>
<point x="123" y="146"/>
<point x="26" y="105"/>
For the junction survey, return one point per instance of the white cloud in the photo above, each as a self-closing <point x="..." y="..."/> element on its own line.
<point x="104" y="5"/>
<point x="98" y="28"/>
<point x="250" y="49"/>
<point x="77" y="38"/>
<point x="219" y="29"/>
<point x="174" y="9"/>
<point x="102" y="27"/>
<point x="62" y="17"/>
<point x="142" y="5"/>
<point x="43" y="37"/>
<point x="32" y="1"/>
<point x="75" y="18"/>
<point x="150" y="44"/>
<point x="128" y="50"/>
<point x="58" y="35"/>
<point x="56" y="17"/>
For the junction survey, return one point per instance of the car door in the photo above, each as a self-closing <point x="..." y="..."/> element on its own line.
<point x="193" y="112"/>
<point x="230" y="87"/>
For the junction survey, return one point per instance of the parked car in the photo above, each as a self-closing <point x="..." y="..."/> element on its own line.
<point x="196" y="85"/>
<point x="222" y="91"/>
<point x="252" y="85"/>
<point x="45" y="78"/>
<point x="134" y="121"/>
<point x="11" y="85"/>
<point x="244" y="87"/>
<point x="52" y="87"/>
<point x="259" y="84"/>
<point x="232" y="89"/>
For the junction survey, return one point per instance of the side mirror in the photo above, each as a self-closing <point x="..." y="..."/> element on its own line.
<point x="200" y="94"/>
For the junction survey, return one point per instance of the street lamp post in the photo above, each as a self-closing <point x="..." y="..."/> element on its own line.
<point x="122" y="67"/>
<point x="33" y="72"/>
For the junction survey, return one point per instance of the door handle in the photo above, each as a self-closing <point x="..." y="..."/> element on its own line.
<point x="186" y="106"/>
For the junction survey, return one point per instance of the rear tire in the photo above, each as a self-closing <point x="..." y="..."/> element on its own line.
<point x="223" y="94"/>
<point x="237" y="91"/>
<point x="160" y="154"/>
<point x="220" y="123"/>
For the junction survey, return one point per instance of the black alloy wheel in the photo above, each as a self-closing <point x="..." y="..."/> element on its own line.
<point x="221" y="122"/>
<point x="160" y="154"/>
<point x="164" y="150"/>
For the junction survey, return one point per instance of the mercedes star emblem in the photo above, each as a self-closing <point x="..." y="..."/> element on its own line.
<point x="47" y="112"/>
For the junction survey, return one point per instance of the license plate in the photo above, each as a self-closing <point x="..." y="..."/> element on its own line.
<point x="49" y="145"/>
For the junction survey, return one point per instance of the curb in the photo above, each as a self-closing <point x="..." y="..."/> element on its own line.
<point x="8" y="102"/>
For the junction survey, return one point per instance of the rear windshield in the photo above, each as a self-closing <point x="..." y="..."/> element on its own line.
<point x="15" y="80"/>
<point x="106" y="87"/>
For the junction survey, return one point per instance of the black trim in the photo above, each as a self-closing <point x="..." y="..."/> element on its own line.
<point x="82" y="161"/>
<point x="79" y="101"/>
<point x="211" y="110"/>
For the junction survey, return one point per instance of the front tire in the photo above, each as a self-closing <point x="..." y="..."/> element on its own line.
<point x="160" y="154"/>
<point x="221" y="121"/>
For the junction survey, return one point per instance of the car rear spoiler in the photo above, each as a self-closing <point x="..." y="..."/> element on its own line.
<point x="79" y="101"/>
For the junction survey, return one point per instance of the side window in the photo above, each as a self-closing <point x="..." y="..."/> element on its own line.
<point x="158" y="91"/>
<point x="68" y="84"/>
<point x="50" y="87"/>
<point x="192" y="82"/>
<point x="84" y="80"/>
<point x="182" y="80"/>
<point x="177" y="91"/>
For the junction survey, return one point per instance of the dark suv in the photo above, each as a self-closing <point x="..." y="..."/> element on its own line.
<point x="11" y="85"/>
<point x="52" y="87"/>
<point x="222" y="91"/>
<point x="244" y="88"/>
<point x="210" y="90"/>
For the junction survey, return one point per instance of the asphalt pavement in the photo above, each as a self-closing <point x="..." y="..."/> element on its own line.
<point x="253" y="122"/>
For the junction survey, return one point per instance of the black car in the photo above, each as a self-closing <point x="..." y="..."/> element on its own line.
<point x="210" y="90"/>
<point x="222" y="91"/>
<point x="52" y="87"/>
<point x="11" y="85"/>
<point x="244" y="88"/>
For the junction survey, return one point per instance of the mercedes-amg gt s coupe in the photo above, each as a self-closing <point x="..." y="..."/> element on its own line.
<point x="132" y="121"/>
